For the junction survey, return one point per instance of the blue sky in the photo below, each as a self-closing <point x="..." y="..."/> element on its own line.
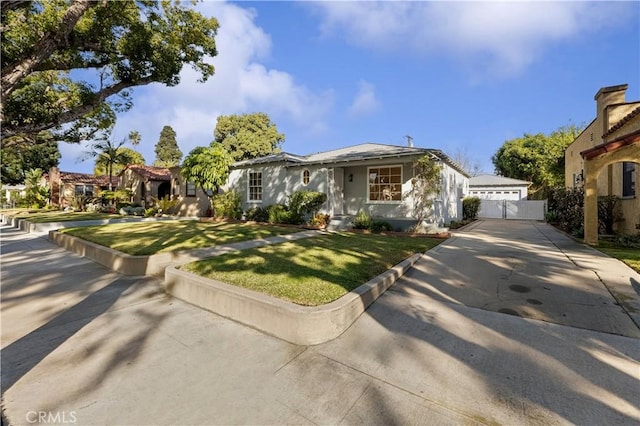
<point x="463" y="77"/>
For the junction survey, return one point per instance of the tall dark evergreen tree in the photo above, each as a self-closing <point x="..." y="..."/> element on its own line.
<point x="167" y="152"/>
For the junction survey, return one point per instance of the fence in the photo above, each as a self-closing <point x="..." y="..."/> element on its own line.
<point x="507" y="209"/>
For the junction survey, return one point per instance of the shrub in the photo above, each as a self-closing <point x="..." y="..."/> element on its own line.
<point x="164" y="204"/>
<point x="470" y="208"/>
<point x="567" y="204"/>
<point x="79" y="202"/>
<point x="279" y="213"/>
<point x="257" y="214"/>
<point x="362" y="221"/>
<point x="609" y="212"/>
<point x="320" y="220"/>
<point x="628" y="241"/>
<point x="150" y="212"/>
<point x="378" y="226"/>
<point x="227" y="205"/>
<point x="305" y="204"/>
<point x="132" y="211"/>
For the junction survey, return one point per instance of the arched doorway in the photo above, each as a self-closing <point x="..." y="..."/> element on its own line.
<point x="164" y="189"/>
<point x="595" y="160"/>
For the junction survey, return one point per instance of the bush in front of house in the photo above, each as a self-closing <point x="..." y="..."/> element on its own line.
<point x="470" y="208"/>
<point x="362" y="221"/>
<point x="378" y="226"/>
<point x="566" y="208"/>
<point x="305" y="204"/>
<point x="132" y="211"/>
<point x="609" y="212"/>
<point x="257" y="214"/>
<point x="280" y="214"/>
<point x="228" y="205"/>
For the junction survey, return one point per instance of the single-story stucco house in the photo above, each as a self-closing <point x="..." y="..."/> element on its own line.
<point x="491" y="187"/>
<point x="66" y="185"/>
<point x="369" y="177"/>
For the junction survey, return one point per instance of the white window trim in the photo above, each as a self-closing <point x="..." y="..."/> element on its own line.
<point x="395" y="202"/>
<point x="249" y="200"/>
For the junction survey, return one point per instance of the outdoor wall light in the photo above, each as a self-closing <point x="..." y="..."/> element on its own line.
<point x="351" y="177"/>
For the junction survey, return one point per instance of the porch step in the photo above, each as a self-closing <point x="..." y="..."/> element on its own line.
<point x="340" y="223"/>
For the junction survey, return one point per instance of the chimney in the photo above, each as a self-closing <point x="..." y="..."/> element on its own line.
<point x="608" y="96"/>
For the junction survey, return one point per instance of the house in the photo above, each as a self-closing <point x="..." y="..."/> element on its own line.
<point x="490" y="187"/>
<point x="66" y="185"/>
<point x="604" y="159"/>
<point x="370" y="177"/>
<point x="149" y="182"/>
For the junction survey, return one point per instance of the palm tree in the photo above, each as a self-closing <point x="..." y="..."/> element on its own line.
<point x="108" y="154"/>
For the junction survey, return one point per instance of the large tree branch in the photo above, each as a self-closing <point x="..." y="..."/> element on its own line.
<point x="71" y="115"/>
<point x="52" y="41"/>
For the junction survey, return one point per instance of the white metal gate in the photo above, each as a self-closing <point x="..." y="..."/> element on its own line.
<point x="508" y="209"/>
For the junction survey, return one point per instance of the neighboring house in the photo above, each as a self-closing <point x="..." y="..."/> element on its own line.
<point x="370" y="177"/>
<point x="490" y="187"/>
<point x="66" y="185"/>
<point x="611" y="144"/>
<point x="149" y="182"/>
<point x="12" y="193"/>
<point x="145" y="183"/>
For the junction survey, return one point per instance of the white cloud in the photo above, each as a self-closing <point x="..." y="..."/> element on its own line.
<point x="241" y="84"/>
<point x="365" y="101"/>
<point x="504" y="36"/>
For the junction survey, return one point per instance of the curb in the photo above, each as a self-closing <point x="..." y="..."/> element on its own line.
<point x="300" y="325"/>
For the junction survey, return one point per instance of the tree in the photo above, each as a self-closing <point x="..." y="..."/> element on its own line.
<point x="167" y="152"/>
<point x="536" y="158"/>
<point x="109" y="154"/>
<point x="36" y="193"/>
<point x="247" y="136"/>
<point x="462" y="158"/>
<point x="207" y="167"/>
<point x="426" y="183"/>
<point x="20" y="158"/>
<point x="134" y="157"/>
<point x="68" y="65"/>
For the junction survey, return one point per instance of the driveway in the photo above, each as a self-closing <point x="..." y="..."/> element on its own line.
<point x="81" y="344"/>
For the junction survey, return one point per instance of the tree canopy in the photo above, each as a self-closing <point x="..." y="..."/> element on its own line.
<point x="167" y="152"/>
<point x="68" y="65"/>
<point x="110" y="154"/>
<point x="248" y="136"/>
<point x="207" y="167"/>
<point x="131" y="155"/>
<point x="536" y="158"/>
<point x="20" y="158"/>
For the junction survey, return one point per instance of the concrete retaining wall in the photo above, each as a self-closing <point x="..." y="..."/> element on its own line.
<point x="294" y="323"/>
<point x="120" y="262"/>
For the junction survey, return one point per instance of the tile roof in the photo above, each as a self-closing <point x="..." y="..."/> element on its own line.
<point x="492" y="180"/>
<point x="150" y="172"/>
<point x="87" y="179"/>
<point x="622" y="122"/>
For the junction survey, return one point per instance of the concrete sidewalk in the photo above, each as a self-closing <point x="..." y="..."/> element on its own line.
<point x="81" y="341"/>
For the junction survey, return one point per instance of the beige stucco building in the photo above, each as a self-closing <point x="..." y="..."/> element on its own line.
<point x="65" y="186"/>
<point x="610" y="145"/>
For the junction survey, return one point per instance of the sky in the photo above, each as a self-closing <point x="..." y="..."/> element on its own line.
<point x="463" y="77"/>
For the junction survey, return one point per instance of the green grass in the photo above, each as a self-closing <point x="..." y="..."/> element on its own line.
<point x="630" y="256"/>
<point x="45" y="216"/>
<point x="312" y="271"/>
<point x="147" y="238"/>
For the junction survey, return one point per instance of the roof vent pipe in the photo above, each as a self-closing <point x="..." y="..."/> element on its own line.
<point x="409" y="141"/>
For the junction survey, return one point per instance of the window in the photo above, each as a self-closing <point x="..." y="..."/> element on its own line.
<point x="628" y="179"/>
<point x="255" y="186"/>
<point x="84" y="190"/>
<point x="385" y="183"/>
<point x="191" y="189"/>
<point x="305" y="177"/>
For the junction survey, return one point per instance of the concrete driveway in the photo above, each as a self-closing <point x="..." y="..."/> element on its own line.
<point x="81" y="344"/>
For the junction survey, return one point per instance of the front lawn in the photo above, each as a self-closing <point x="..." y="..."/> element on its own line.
<point x="630" y="256"/>
<point x="147" y="238"/>
<point x="313" y="271"/>
<point x="46" y="216"/>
